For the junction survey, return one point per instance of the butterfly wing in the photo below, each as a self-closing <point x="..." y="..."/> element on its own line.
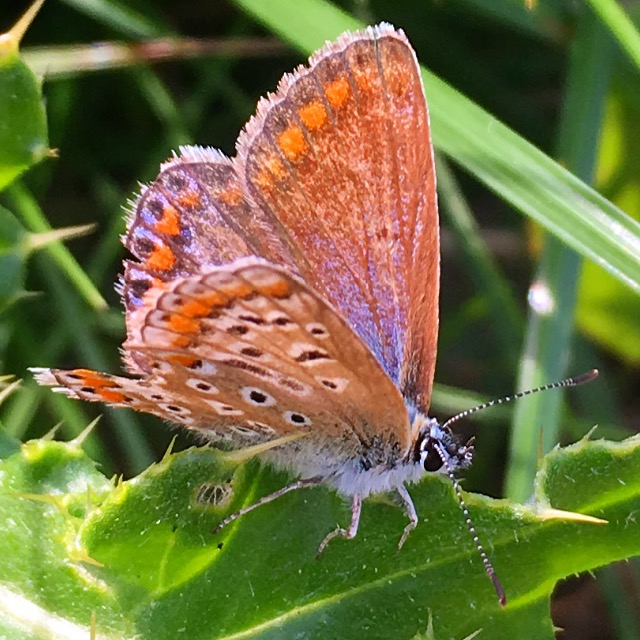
<point x="194" y="215"/>
<point x="334" y="179"/>
<point x="249" y="351"/>
<point x="341" y="156"/>
<point x="334" y="182"/>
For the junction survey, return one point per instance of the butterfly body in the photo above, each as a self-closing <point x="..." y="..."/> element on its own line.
<point x="293" y="289"/>
<point x="375" y="469"/>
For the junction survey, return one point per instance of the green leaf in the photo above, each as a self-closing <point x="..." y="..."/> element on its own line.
<point x="620" y="26"/>
<point x="44" y="587"/>
<point x="23" y="121"/>
<point x="141" y="555"/>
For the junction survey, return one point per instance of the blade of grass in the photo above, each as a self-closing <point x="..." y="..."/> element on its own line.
<point x="548" y="340"/>
<point x="516" y="170"/>
<point x="620" y="26"/>
<point x="68" y="61"/>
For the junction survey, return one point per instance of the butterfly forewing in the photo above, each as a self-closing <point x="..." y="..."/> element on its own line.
<point x="341" y="156"/>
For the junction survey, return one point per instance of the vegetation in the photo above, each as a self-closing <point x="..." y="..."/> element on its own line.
<point x="549" y="205"/>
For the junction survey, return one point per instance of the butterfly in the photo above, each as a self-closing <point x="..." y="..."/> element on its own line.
<point x="288" y="296"/>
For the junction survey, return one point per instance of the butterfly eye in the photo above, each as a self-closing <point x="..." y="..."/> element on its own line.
<point x="430" y="458"/>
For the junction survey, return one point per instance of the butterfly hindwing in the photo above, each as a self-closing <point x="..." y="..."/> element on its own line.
<point x="247" y="344"/>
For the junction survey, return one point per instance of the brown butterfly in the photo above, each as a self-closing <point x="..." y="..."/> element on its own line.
<point x="288" y="296"/>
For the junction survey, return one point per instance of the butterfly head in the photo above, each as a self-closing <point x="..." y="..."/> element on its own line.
<point x="438" y="449"/>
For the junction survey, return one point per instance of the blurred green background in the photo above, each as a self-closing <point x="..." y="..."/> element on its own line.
<point x="125" y="83"/>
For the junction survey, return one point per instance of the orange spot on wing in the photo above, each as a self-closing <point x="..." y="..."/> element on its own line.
<point x="278" y="289"/>
<point x="169" y="223"/>
<point x="213" y="299"/>
<point x="337" y="92"/>
<point x="181" y="341"/>
<point x="201" y="307"/>
<point x="82" y="373"/>
<point x="182" y="359"/>
<point x="292" y="143"/>
<point x="366" y="77"/>
<point x="180" y="324"/>
<point x="189" y="199"/>
<point x="238" y="290"/>
<point x="263" y="180"/>
<point x="271" y="169"/>
<point x="112" y="396"/>
<point x="161" y="258"/>
<point x="195" y="309"/>
<point x="93" y="379"/>
<point x="313" y="115"/>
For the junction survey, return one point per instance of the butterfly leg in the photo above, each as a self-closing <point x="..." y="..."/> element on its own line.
<point x="298" y="484"/>
<point x="350" y="533"/>
<point x="411" y="512"/>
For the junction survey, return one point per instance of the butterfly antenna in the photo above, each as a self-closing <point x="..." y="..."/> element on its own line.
<point x="574" y="381"/>
<point x="488" y="567"/>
